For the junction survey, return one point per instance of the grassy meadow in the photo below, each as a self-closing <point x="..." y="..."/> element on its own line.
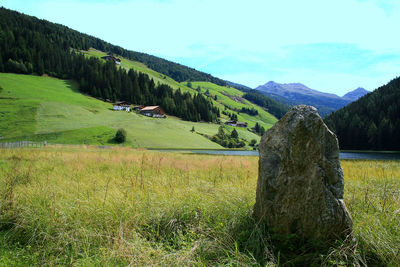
<point x="86" y="206"/>
<point x="43" y="108"/>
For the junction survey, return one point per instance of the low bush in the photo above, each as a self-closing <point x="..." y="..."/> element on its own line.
<point x="120" y="136"/>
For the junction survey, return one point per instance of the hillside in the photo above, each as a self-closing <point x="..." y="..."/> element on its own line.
<point x="31" y="46"/>
<point x="45" y="48"/>
<point x="372" y="122"/>
<point x="141" y="67"/>
<point x="297" y="93"/>
<point x="73" y="39"/>
<point x="231" y="100"/>
<point x="227" y="97"/>
<point x="157" y="77"/>
<point x="44" y="108"/>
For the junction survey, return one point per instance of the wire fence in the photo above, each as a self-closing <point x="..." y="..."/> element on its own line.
<point x="42" y="144"/>
<point x="22" y="144"/>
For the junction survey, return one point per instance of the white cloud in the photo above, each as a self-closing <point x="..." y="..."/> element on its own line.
<point x="253" y="40"/>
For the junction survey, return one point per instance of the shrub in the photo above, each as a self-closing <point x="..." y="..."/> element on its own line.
<point x="253" y="142"/>
<point x="120" y="136"/>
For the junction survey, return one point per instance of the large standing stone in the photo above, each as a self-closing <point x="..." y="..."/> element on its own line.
<point x="300" y="183"/>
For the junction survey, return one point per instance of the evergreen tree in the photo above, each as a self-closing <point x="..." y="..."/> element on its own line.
<point x="234" y="134"/>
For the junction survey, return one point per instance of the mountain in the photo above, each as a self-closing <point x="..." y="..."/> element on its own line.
<point x="53" y="33"/>
<point x="297" y="93"/>
<point x="32" y="46"/>
<point x="38" y="48"/>
<point x="372" y="122"/>
<point x="356" y="94"/>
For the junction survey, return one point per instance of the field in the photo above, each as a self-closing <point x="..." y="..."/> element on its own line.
<point x="86" y="206"/>
<point x="44" y="108"/>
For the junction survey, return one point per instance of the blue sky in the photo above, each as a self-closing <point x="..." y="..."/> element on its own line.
<point x="332" y="46"/>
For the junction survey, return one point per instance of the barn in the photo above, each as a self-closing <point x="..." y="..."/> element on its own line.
<point x="153" y="111"/>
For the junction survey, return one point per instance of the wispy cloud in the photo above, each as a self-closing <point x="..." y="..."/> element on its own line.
<point x="327" y="45"/>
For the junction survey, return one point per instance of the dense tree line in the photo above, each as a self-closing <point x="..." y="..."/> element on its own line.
<point x="259" y="129"/>
<point x="250" y="111"/>
<point x="232" y="116"/>
<point x="371" y="122"/>
<point x="275" y="108"/>
<point x="227" y="139"/>
<point x="69" y="38"/>
<point x="32" y="46"/>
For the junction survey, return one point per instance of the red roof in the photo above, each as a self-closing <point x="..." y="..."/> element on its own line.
<point x="149" y="108"/>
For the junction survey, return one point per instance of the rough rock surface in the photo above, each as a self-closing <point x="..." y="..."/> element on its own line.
<point x="300" y="183"/>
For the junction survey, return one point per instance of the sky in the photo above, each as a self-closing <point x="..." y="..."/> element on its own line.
<point x="332" y="46"/>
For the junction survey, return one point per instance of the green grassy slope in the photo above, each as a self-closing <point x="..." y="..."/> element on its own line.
<point x="44" y="108"/>
<point x="232" y="99"/>
<point x="226" y="96"/>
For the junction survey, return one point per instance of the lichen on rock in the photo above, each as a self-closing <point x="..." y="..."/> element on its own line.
<point x="300" y="185"/>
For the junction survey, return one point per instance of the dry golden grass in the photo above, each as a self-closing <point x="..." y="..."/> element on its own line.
<point x="86" y="206"/>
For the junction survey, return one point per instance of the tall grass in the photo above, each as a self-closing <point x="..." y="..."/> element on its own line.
<point x="121" y="207"/>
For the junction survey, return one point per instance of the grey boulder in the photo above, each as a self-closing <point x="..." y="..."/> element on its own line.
<point x="300" y="184"/>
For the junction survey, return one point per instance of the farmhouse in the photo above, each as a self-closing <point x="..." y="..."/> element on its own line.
<point x="122" y="105"/>
<point x="112" y="58"/>
<point x="230" y="123"/>
<point x="153" y="111"/>
<point x="236" y="124"/>
<point x="241" y="124"/>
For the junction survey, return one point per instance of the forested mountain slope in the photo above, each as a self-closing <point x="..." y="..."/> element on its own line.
<point x="67" y="37"/>
<point x="32" y="46"/>
<point x="225" y="98"/>
<point x="371" y="122"/>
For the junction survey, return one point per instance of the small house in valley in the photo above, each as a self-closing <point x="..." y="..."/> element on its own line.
<point x="153" y="111"/>
<point x="112" y="58"/>
<point x="122" y="105"/>
<point x="241" y="124"/>
<point x="230" y="123"/>
<point x="236" y="124"/>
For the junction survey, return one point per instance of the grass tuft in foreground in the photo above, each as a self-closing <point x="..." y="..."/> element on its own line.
<point x="121" y="206"/>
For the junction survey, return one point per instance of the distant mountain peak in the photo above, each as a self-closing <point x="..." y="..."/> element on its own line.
<point x="355" y="94"/>
<point x="298" y="93"/>
<point x="284" y="89"/>
<point x="270" y="83"/>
